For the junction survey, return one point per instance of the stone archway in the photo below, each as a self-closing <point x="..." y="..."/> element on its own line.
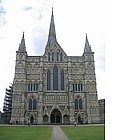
<point x="66" y="119"/>
<point x="31" y="119"/>
<point x="45" y="119"/>
<point x="56" y="116"/>
<point x="79" y="119"/>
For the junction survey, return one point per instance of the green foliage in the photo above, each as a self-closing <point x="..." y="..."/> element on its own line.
<point x="25" y="133"/>
<point x="84" y="132"/>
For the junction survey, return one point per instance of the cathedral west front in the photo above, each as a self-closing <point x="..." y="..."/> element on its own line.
<point x="54" y="88"/>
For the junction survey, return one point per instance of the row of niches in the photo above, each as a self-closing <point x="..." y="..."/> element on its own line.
<point x="77" y="87"/>
<point x="50" y="98"/>
<point x="55" y="56"/>
<point x="32" y="87"/>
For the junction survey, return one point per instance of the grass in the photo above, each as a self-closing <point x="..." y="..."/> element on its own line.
<point x="25" y="133"/>
<point x="84" y="132"/>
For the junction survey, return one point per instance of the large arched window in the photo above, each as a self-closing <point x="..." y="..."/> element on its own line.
<point x="48" y="80"/>
<point x="55" y="78"/>
<point x="78" y="103"/>
<point x="62" y="80"/>
<point x="32" y="104"/>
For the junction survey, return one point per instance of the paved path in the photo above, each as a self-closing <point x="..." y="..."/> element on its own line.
<point x="58" y="134"/>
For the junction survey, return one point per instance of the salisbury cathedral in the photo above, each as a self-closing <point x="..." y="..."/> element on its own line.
<point x="54" y="88"/>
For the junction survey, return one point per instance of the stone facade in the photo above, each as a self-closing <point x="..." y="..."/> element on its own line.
<point x="101" y="103"/>
<point x="54" y="87"/>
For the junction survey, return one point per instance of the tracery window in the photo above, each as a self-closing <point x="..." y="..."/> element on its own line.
<point x="32" y="104"/>
<point x="78" y="104"/>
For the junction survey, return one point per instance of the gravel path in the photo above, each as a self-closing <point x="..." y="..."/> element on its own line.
<point x="58" y="134"/>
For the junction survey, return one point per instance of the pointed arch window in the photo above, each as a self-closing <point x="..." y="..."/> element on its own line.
<point x="52" y="56"/>
<point x="49" y="58"/>
<point x="81" y="87"/>
<point x="76" y="104"/>
<point x="62" y="80"/>
<point x="61" y="56"/>
<point x="57" y="57"/>
<point x="31" y="87"/>
<point x="48" y="80"/>
<point x="80" y="103"/>
<point x="55" y="78"/>
<point x="32" y="104"/>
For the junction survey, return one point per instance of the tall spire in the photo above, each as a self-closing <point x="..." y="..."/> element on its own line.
<point x="87" y="48"/>
<point x="52" y="33"/>
<point x="22" y="47"/>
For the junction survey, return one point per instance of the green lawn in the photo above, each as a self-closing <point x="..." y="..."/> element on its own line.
<point x="25" y="133"/>
<point x="84" y="132"/>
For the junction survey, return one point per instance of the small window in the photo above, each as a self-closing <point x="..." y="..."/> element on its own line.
<point x="61" y="56"/>
<point x="52" y="56"/>
<point x="36" y="86"/>
<point x="81" y="87"/>
<point x="49" y="58"/>
<point x="73" y="87"/>
<point x="48" y="80"/>
<point x="78" y="87"/>
<point x="57" y="57"/>
<point x="29" y="87"/>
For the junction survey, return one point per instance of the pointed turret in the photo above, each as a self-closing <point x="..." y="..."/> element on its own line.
<point x="22" y="47"/>
<point x="87" y="48"/>
<point x="52" y="34"/>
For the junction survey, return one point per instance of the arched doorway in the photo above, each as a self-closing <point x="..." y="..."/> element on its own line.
<point x="79" y="119"/>
<point x="66" y="119"/>
<point x="45" y="119"/>
<point x="31" y="119"/>
<point x="56" y="116"/>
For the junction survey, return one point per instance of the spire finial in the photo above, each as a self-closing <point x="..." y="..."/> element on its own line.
<point x="52" y="34"/>
<point x="22" y="47"/>
<point x="87" y="48"/>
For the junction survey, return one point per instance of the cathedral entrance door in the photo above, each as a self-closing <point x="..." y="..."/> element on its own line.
<point x="31" y="119"/>
<point x="56" y="116"/>
<point x="79" y="119"/>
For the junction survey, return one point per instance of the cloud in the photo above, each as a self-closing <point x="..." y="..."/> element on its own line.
<point x="26" y="8"/>
<point x="2" y="14"/>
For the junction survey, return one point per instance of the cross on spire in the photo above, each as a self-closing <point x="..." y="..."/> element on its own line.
<point x="22" y="47"/>
<point x="52" y="33"/>
<point x="87" y="48"/>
